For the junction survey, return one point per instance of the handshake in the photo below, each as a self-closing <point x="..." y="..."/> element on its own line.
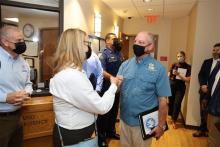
<point x="116" y="80"/>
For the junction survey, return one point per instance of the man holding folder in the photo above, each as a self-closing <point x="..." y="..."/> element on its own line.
<point x="145" y="87"/>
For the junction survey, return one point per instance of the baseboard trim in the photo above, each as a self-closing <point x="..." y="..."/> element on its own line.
<point x="191" y="127"/>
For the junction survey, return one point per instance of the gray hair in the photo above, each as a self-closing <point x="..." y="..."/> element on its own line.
<point x="6" y="31"/>
<point x="151" y="37"/>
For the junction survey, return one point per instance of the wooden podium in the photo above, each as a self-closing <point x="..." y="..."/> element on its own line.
<point x="38" y="118"/>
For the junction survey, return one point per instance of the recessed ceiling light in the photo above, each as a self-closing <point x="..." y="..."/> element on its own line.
<point x="146" y="0"/>
<point x="150" y="9"/>
<point x="12" y="19"/>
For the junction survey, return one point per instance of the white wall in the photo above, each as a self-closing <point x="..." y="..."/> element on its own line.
<point x="162" y="27"/>
<point x="207" y="33"/>
<point x="178" y="38"/>
<point x="178" y="41"/>
<point x="81" y="13"/>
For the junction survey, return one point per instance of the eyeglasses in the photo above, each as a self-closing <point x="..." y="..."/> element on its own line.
<point x="19" y="40"/>
<point x="88" y="43"/>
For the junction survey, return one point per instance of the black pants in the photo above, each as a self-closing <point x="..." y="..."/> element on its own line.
<point x="71" y="136"/>
<point x="106" y="123"/>
<point x="178" y="91"/>
<point x="11" y="129"/>
<point x="203" y="114"/>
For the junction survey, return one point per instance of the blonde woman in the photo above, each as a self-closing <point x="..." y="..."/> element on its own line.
<point x="74" y="100"/>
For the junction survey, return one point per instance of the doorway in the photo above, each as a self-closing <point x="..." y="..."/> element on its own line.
<point x="48" y="44"/>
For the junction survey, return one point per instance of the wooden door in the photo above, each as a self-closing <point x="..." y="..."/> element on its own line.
<point x="48" y="44"/>
<point x="125" y="46"/>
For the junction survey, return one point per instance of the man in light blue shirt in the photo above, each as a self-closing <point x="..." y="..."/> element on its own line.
<point x="145" y="86"/>
<point x="94" y="71"/>
<point x="15" y="85"/>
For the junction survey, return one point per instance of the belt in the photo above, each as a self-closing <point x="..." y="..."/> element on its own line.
<point x="9" y="113"/>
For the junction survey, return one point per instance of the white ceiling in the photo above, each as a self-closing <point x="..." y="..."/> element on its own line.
<point x="139" y="8"/>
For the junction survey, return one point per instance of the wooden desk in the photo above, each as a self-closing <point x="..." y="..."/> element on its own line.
<point x="38" y="117"/>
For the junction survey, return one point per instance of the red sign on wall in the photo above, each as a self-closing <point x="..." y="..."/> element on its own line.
<point x="163" y="58"/>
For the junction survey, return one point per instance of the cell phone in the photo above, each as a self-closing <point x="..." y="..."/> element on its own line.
<point x="217" y="125"/>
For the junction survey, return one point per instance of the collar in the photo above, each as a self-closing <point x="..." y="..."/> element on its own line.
<point x="5" y="54"/>
<point x="143" y="60"/>
<point x="110" y="50"/>
<point x="215" y="59"/>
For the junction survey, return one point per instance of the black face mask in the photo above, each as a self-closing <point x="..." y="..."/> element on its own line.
<point x="117" y="45"/>
<point x="89" y="52"/>
<point x="20" y="47"/>
<point x="138" y="50"/>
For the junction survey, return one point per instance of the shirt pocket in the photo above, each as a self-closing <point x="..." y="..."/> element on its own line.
<point x="22" y="73"/>
<point x="147" y="83"/>
<point x="126" y="86"/>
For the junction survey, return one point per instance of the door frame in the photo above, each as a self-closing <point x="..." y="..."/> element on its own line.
<point x="59" y="9"/>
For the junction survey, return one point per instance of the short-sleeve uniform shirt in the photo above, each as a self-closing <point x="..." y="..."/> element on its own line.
<point x="111" y="61"/>
<point x="143" y="83"/>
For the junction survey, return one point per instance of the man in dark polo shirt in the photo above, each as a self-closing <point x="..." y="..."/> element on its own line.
<point x="111" y="59"/>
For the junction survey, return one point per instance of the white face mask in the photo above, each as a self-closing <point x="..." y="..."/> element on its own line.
<point x="180" y="59"/>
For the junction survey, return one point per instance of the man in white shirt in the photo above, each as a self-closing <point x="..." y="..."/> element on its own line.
<point x="15" y="86"/>
<point x="214" y="106"/>
<point x="203" y="76"/>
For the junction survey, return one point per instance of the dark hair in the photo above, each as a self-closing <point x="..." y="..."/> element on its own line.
<point x="182" y="53"/>
<point x="217" y="45"/>
<point x="107" y="36"/>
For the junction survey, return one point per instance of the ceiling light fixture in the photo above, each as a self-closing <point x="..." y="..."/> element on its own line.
<point x="116" y="30"/>
<point x="150" y="9"/>
<point x="146" y="1"/>
<point x="12" y="19"/>
<point x="98" y="24"/>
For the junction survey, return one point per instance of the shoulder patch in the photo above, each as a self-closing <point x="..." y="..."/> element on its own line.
<point x="101" y="57"/>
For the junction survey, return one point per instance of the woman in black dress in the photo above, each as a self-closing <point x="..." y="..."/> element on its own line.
<point x="179" y="74"/>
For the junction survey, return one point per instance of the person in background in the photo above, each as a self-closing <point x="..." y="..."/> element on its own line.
<point x="93" y="68"/>
<point x="111" y="60"/>
<point x="179" y="73"/>
<point x="75" y="102"/>
<point x="15" y="85"/>
<point x="214" y="104"/>
<point x="145" y="86"/>
<point x="203" y="76"/>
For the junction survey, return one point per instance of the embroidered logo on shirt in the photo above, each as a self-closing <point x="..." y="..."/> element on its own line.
<point x="101" y="57"/>
<point x="151" y="67"/>
<point x="112" y="59"/>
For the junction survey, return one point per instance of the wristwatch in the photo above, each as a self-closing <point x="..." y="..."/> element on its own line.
<point x="162" y="127"/>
